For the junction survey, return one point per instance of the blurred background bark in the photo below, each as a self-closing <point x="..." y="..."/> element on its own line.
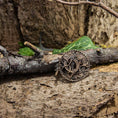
<point x="24" y="20"/>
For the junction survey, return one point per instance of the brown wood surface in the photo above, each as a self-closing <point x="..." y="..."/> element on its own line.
<point x="14" y="64"/>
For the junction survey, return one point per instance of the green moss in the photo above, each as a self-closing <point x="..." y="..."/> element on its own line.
<point x="26" y="51"/>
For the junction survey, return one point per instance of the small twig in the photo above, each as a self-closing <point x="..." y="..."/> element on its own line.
<point x="34" y="48"/>
<point x="99" y="4"/>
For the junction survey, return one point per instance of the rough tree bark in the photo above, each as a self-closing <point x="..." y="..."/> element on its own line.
<point x="24" y="20"/>
<point x="15" y="64"/>
<point x="96" y="3"/>
<point x="10" y="33"/>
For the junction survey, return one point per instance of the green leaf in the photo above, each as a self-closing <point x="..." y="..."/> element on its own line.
<point x="82" y="43"/>
<point x="26" y="51"/>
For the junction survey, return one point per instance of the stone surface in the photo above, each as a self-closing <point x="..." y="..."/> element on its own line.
<point x="43" y="96"/>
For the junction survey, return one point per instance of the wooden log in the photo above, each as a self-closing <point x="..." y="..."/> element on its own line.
<point x="22" y="65"/>
<point x="101" y="56"/>
<point x="14" y="64"/>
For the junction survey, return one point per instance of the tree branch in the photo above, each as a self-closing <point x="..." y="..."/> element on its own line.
<point x="99" y="4"/>
<point x="15" y="64"/>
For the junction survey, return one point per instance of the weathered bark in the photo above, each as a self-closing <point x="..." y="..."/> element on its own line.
<point x="9" y="27"/>
<point x="62" y="23"/>
<point x="102" y="56"/>
<point x="58" y="23"/>
<point x="94" y="3"/>
<point x="102" y="26"/>
<point x="14" y="64"/>
<point x="24" y="20"/>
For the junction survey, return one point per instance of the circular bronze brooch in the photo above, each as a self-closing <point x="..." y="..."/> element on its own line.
<point x="73" y="66"/>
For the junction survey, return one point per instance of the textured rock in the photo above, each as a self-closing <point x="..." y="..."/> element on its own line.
<point x="44" y="96"/>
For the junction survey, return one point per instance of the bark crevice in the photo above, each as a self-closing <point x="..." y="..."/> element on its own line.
<point x="15" y="7"/>
<point x="88" y="9"/>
